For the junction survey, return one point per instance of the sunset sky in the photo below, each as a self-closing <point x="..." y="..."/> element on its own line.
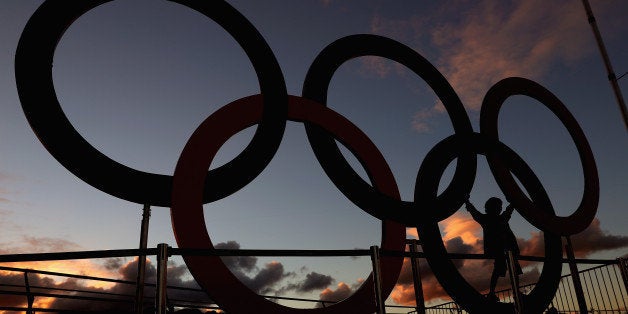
<point x="136" y="78"/>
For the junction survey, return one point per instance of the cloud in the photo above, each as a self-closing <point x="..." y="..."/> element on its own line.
<point x="591" y="240"/>
<point x="461" y="234"/>
<point x="421" y="121"/>
<point x="128" y="272"/>
<point x="342" y="292"/>
<point x="263" y="279"/>
<point x="481" y="42"/>
<point x="313" y="281"/>
<point x="461" y="225"/>
<point x="240" y="263"/>
<point x="266" y="278"/>
<point x="497" y="40"/>
<point x="30" y="244"/>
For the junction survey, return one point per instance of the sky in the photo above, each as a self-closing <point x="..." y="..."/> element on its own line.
<point x="136" y="78"/>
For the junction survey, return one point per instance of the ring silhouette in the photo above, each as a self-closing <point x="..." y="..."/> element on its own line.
<point x="188" y="220"/>
<point x="33" y="72"/>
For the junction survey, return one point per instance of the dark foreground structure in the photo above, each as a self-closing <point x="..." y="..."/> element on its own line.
<point x="604" y="285"/>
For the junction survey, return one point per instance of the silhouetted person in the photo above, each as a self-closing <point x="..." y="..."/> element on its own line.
<point x="498" y="237"/>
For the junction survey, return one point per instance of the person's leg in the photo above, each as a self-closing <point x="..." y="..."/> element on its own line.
<point x="499" y="270"/>
<point x="494" y="277"/>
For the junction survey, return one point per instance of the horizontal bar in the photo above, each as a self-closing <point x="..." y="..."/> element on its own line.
<point x="227" y="252"/>
<point x="311" y="253"/>
<point x="59" y="256"/>
<point x="63" y="296"/>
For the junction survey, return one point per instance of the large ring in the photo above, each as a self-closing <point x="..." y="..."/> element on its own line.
<point x="544" y="220"/>
<point x="33" y="71"/>
<point x="188" y="219"/>
<point x="336" y="166"/>
<point x="436" y="254"/>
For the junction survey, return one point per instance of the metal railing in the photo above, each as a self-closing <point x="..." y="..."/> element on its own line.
<point x="604" y="286"/>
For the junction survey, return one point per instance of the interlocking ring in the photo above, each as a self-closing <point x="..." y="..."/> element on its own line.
<point x="544" y="220"/>
<point x="336" y="166"/>
<point x="444" y="269"/>
<point x="33" y="72"/>
<point x="188" y="220"/>
<point x="192" y="185"/>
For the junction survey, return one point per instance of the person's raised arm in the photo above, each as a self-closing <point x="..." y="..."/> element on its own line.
<point x="476" y="214"/>
<point x="508" y="212"/>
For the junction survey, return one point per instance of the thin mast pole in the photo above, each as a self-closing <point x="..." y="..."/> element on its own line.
<point x="607" y="62"/>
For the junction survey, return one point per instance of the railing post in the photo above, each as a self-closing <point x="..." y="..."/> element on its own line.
<point x="141" y="261"/>
<point x="29" y="297"/>
<point x="416" y="277"/>
<point x="162" y="273"/>
<point x="514" y="281"/>
<point x="377" y="280"/>
<point x="575" y="277"/>
<point x="623" y="270"/>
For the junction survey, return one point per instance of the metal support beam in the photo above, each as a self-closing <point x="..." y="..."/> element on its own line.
<point x="416" y="277"/>
<point x="29" y="297"/>
<point x="612" y="78"/>
<point x="141" y="261"/>
<point x="623" y="270"/>
<point x="575" y="277"/>
<point x="161" y="292"/>
<point x="377" y="280"/>
<point x="514" y="281"/>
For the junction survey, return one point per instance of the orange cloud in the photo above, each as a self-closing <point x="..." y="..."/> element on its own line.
<point x="463" y="226"/>
<point x="462" y="234"/>
<point x="30" y="244"/>
<point x="458" y="225"/>
<point x="342" y="292"/>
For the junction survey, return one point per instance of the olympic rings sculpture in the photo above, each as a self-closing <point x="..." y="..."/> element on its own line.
<point x="192" y="185"/>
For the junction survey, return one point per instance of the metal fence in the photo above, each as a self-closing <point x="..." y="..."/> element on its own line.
<point x="604" y="289"/>
<point x="604" y="286"/>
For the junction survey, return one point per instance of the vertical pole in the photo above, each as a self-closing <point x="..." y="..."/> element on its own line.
<point x="29" y="297"/>
<point x="162" y="273"/>
<point x="514" y="281"/>
<point x="607" y="62"/>
<point x="141" y="261"/>
<point x="575" y="277"/>
<point x="623" y="270"/>
<point x="377" y="280"/>
<point x="416" y="277"/>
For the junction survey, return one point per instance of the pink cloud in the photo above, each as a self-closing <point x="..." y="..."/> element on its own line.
<point x="482" y="42"/>
<point x="494" y="42"/>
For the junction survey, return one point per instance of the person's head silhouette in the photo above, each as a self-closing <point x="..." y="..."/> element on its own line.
<point x="493" y="206"/>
